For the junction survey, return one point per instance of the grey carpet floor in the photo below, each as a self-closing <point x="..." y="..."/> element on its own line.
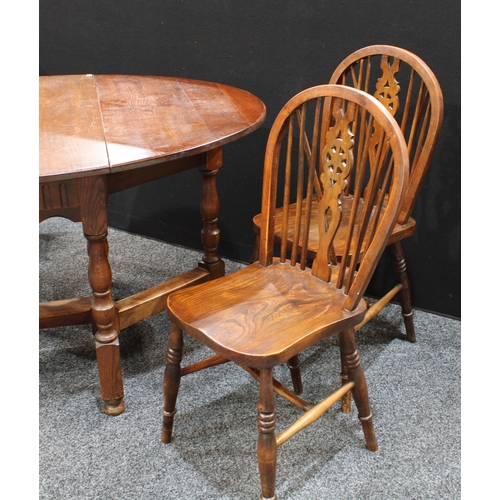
<point x="85" y="454"/>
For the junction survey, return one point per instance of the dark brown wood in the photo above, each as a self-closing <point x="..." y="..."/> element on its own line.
<point x="352" y="361"/>
<point x="266" y="445"/>
<point x="268" y="312"/>
<point x="411" y="92"/>
<point x="407" y="87"/>
<point x="172" y="380"/>
<point x="92" y="193"/>
<point x="282" y="390"/>
<point x="346" y="398"/>
<point x="83" y="130"/>
<point x="269" y="293"/>
<point x="100" y="134"/>
<point x="65" y="312"/>
<point x="147" y="303"/>
<point x="125" y="179"/>
<point x="215" y="360"/>
<point x="399" y="264"/>
<point x="209" y="208"/>
<point x="72" y="142"/>
<point x="294" y="366"/>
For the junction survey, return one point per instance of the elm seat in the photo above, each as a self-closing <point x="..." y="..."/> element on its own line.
<point x="294" y="304"/>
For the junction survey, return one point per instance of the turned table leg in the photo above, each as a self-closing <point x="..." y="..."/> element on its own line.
<point x="209" y="208"/>
<point x="93" y="201"/>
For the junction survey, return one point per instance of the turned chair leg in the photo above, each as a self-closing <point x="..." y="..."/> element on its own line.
<point x="171" y="381"/>
<point x="294" y="366"/>
<point x="399" y="264"/>
<point x="266" y="446"/>
<point x="352" y="360"/>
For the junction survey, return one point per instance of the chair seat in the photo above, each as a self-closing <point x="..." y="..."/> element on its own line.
<point x="399" y="232"/>
<point x="262" y="316"/>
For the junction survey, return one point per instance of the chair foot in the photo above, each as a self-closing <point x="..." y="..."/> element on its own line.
<point x="168" y="425"/>
<point x="114" y="407"/>
<point x="409" y="327"/>
<point x="369" y="432"/>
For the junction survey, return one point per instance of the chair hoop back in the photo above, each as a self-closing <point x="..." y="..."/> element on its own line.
<point x="408" y="88"/>
<point x="364" y="150"/>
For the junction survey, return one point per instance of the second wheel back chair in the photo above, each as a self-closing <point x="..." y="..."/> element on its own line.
<point x="268" y="312"/>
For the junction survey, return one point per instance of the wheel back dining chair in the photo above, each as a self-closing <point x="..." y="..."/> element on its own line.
<point x="269" y="311"/>
<point x="408" y="88"/>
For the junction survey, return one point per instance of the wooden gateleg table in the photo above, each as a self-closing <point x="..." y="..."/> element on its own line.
<point x="100" y="134"/>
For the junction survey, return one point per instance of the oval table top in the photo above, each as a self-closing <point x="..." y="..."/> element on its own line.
<point x="98" y="124"/>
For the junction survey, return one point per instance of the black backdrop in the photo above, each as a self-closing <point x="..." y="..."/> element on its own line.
<point x="273" y="49"/>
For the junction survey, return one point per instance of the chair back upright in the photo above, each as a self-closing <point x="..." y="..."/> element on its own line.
<point x="364" y="150"/>
<point x="408" y="88"/>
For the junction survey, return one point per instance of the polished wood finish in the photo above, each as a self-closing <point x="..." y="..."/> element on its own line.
<point x="271" y="310"/>
<point x="100" y="134"/>
<point x="408" y="88"/>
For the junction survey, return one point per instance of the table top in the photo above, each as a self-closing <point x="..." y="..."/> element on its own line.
<point x="98" y="124"/>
